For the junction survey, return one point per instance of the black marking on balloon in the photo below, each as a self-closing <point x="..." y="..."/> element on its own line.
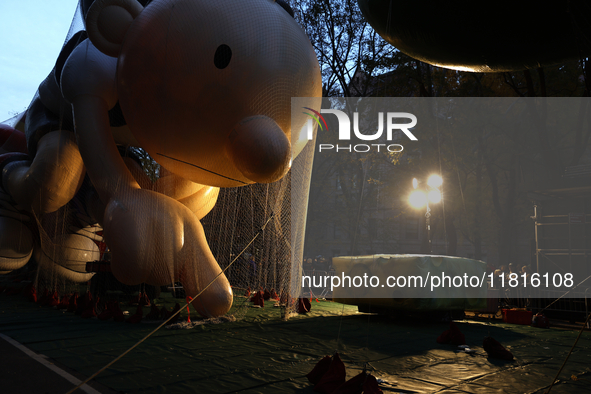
<point x="222" y="56"/>
<point x="201" y="168"/>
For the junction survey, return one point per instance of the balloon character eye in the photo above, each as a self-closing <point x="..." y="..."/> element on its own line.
<point x="222" y="56"/>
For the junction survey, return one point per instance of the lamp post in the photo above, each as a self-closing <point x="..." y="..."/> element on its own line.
<point x="421" y="197"/>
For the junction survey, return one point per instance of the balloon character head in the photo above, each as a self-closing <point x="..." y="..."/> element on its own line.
<point x="226" y="71"/>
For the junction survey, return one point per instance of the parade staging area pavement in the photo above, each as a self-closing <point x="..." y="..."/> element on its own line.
<point x="260" y="353"/>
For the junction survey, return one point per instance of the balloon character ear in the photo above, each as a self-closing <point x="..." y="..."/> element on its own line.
<point x="107" y="22"/>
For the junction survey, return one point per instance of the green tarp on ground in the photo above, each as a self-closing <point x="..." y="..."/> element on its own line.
<point x="262" y="354"/>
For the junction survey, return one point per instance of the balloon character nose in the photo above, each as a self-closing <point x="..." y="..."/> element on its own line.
<point x="259" y="149"/>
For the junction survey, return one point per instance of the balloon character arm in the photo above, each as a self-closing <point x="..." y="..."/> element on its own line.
<point x="88" y="82"/>
<point x="51" y="179"/>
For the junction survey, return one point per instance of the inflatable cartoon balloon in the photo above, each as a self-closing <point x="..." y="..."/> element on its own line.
<point x="205" y="87"/>
<point x="484" y="36"/>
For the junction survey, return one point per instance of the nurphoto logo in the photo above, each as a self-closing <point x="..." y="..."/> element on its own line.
<point x="344" y="131"/>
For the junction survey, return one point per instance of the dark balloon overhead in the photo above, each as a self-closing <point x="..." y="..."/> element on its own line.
<point x="484" y="36"/>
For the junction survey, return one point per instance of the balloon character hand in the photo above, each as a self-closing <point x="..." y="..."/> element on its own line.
<point x="155" y="239"/>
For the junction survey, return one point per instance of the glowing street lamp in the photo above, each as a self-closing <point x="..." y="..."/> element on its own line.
<point x="430" y="194"/>
<point x="418" y="199"/>
<point x="435" y="181"/>
<point x="434" y="196"/>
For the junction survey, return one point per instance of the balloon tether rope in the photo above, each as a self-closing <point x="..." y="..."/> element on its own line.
<point x="179" y="311"/>
<point x="568" y="355"/>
